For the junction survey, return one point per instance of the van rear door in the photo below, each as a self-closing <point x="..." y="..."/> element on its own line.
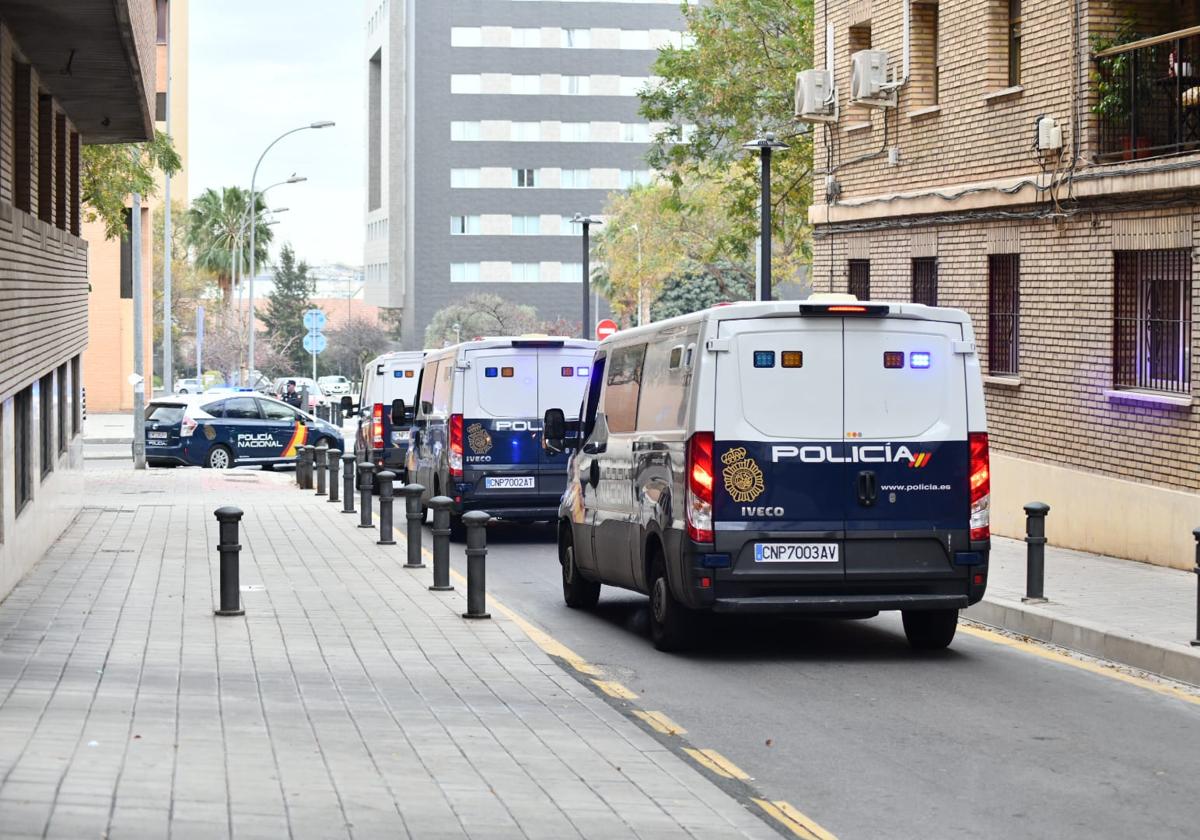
<point x="778" y="448"/>
<point x="562" y="380"/>
<point x="501" y="427"/>
<point x="908" y="500"/>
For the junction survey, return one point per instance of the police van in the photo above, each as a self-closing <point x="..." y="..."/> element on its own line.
<point x="477" y="434"/>
<point x="386" y="400"/>
<point x="826" y="456"/>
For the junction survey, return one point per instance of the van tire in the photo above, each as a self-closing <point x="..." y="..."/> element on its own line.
<point x="671" y="622"/>
<point x="930" y="629"/>
<point x="579" y="593"/>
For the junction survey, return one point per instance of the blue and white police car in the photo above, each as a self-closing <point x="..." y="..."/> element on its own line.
<point x="228" y="429"/>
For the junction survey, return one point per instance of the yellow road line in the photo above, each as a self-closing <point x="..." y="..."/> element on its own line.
<point x="717" y="763"/>
<point x="660" y="723"/>
<point x="614" y="689"/>
<point x="795" y="821"/>
<point x="1081" y="664"/>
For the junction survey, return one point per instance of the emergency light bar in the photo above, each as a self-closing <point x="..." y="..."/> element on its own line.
<point x="537" y="342"/>
<point x="868" y="310"/>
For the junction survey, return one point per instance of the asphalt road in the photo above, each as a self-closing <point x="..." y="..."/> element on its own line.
<point x="845" y="722"/>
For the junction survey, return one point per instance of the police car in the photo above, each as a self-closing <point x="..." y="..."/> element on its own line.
<point x="224" y="430"/>
<point x="826" y="456"/>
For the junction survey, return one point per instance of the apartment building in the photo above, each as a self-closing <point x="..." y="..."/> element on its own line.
<point x="108" y="361"/>
<point x="1036" y="163"/>
<point x="491" y="123"/>
<point x="79" y="72"/>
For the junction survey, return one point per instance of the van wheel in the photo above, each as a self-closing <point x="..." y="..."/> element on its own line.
<point x="670" y="621"/>
<point x="579" y="592"/>
<point x="219" y="458"/>
<point x="930" y="629"/>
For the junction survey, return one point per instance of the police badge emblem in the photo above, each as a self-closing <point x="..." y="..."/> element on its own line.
<point x="479" y="439"/>
<point x="743" y="478"/>
<point x="210" y="432"/>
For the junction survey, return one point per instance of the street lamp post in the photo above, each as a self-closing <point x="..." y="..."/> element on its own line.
<point x="253" y="208"/>
<point x="587" y="222"/>
<point x="765" y="145"/>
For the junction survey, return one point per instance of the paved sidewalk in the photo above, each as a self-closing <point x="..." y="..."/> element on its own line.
<point x="1133" y="613"/>
<point x="349" y="701"/>
<point x="108" y="428"/>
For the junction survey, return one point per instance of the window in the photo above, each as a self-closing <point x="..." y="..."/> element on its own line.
<point x="575" y="85"/>
<point x="76" y="396"/>
<point x="635" y="133"/>
<point x="22" y="451"/>
<point x="595" y="383"/>
<point x="126" y="257"/>
<point x="666" y="387"/>
<point x="63" y="430"/>
<point x="526" y="37"/>
<point x="1015" y="20"/>
<point x="428" y="385"/>
<point x="631" y="178"/>
<point x="622" y="388"/>
<point x="570" y="272"/>
<point x="526" y="131"/>
<point x="923" y="80"/>
<point x="61" y="185"/>
<point x="576" y="132"/>
<point x="45" y="158"/>
<point x="243" y="408"/>
<point x="526" y="225"/>
<point x="575" y="179"/>
<point x="526" y="272"/>
<point x="925" y="280"/>
<point x="162" y="19"/>
<point x="1004" y="307"/>
<point x="277" y="412"/>
<point x="464" y="225"/>
<point x="466" y="36"/>
<point x="375" y="131"/>
<point x="630" y="85"/>
<point x="464" y="272"/>
<point x="576" y="39"/>
<point x="860" y="279"/>
<point x="22" y="136"/>
<point x="441" y="390"/>
<point x="465" y="83"/>
<point x="635" y="39"/>
<point x="75" y="184"/>
<point x="462" y="130"/>
<point x="1153" y="329"/>
<point x="463" y="178"/>
<point x="527" y="85"/>
<point x="46" y="422"/>
<point x="566" y="227"/>
<point x="524" y="177"/>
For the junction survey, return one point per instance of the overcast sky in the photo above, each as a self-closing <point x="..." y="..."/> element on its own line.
<point x="259" y="68"/>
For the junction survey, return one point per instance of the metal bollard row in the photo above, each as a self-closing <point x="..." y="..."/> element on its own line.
<point x="416" y="517"/>
<point x="348" y="483"/>
<point x="320" y="454"/>
<point x="1035" y="553"/>
<point x="333" y="462"/>
<point x="387" y="491"/>
<point x="366" y="484"/>
<point x="440" y="505"/>
<point x="476" y="522"/>
<point x="230" y="551"/>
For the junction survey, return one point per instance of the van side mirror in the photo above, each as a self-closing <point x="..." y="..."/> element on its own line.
<point x="398" y="412"/>
<point x="554" y="429"/>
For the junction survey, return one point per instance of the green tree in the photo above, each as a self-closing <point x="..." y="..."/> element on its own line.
<point x="736" y="81"/>
<point x="215" y="229"/>
<point x="699" y="287"/>
<point x="476" y="316"/>
<point x="110" y="174"/>
<point x="284" y="316"/>
<point x="352" y="345"/>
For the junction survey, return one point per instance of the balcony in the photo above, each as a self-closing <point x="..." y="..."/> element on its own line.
<point x="1147" y="96"/>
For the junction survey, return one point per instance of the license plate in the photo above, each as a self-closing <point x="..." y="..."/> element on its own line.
<point x="796" y="552"/>
<point x="158" y="435"/>
<point x="505" y="482"/>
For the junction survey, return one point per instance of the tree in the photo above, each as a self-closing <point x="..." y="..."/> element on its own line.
<point x="352" y="345"/>
<point x="284" y="318"/>
<point x="479" y="315"/>
<point x="699" y="287"/>
<point x="214" y="231"/>
<point x="191" y="286"/>
<point x="735" y="82"/>
<point x="225" y="346"/>
<point x="109" y="174"/>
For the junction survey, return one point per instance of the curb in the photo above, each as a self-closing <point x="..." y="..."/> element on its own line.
<point x="87" y="441"/>
<point x="1173" y="661"/>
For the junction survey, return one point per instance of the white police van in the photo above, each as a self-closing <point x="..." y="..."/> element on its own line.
<point x="477" y="433"/>
<point x="826" y="456"/>
<point x="386" y="400"/>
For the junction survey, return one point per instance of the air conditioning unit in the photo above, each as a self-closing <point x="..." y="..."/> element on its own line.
<point x="869" y="84"/>
<point x="816" y="100"/>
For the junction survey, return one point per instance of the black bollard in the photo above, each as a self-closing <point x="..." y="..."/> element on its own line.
<point x="333" y="462"/>
<point x="300" y="467"/>
<point x="366" y="484"/>
<point x="320" y="459"/>
<point x="306" y="480"/>
<point x="415" y="516"/>
<point x="348" y="483"/>
<point x="476" y="522"/>
<point x="387" y="491"/>
<point x="1035" y="562"/>
<point x="440" y="505"/>
<point x="230" y="550"/>
<point x="1196" y="534"/>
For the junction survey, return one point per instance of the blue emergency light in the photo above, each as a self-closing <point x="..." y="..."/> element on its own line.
<point x="764" y="358"/>
<point x="919" y="360"/>
<point x="491" y="373"/>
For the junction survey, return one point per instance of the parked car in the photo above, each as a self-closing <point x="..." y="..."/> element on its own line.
<point x="220" y="430"/>
<point x="334" y="386"/>
<point x="188" y="386"/>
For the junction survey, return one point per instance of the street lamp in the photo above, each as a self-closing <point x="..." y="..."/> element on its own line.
<point x="253" y="206"/>
<point x="587" y="222"/>
<point x="765" y="145"/>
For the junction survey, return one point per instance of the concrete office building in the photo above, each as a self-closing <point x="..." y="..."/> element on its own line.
<point x="490" y="124"/>
<point x="71" y="72"/>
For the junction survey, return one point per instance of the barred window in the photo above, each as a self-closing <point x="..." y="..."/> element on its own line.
<point x="1152" y="332"/>
<point x="925" y="280"/>
<point x="1004" y="307"/>
<point x="860" y="279"/>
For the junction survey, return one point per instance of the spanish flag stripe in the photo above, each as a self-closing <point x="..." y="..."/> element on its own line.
<point x="298" y="438"/>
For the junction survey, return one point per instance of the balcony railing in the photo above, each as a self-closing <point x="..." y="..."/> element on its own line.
<point x="1148" y="97"/>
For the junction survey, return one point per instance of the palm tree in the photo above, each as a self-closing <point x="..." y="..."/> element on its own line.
<point x="214" y="232"/>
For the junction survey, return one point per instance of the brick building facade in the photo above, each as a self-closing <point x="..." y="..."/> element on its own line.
<point x="1077" y="264"/>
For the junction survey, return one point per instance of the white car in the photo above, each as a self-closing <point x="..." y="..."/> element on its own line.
<point x="334" y="386"/>
<point x="188" y="386"/>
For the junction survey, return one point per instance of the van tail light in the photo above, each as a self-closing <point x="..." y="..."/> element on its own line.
<point x="377" y="426"/>
<point x="456" y="449"/>
<point x="700" y="487"/>
<point x="187" y="426"/>
<point x="981" y="487"/>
